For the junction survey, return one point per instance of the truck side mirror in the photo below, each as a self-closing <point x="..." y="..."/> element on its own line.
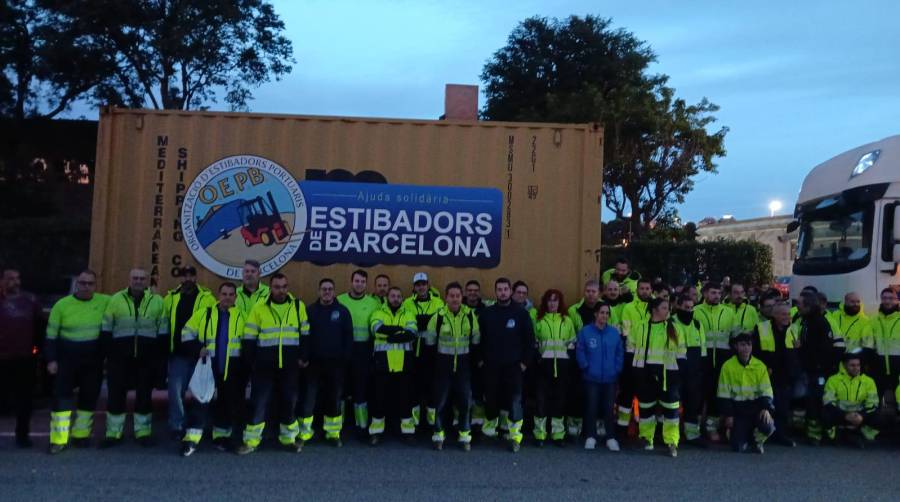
<point x="792" y="226"/>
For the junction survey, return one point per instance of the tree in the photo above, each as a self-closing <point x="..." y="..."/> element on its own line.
<point x="43" y="69"/>
<point x="176" y="54"/>
<point x="583" y="70"/>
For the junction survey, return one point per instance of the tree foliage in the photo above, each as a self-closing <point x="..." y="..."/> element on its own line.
<point x="582" y="70"/>
<point x="163" y="54"/>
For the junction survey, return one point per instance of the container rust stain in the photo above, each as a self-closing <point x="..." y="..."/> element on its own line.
<point x="318" y="197"/>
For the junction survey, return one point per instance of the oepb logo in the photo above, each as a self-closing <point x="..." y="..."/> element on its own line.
<point x="243" y="207"/>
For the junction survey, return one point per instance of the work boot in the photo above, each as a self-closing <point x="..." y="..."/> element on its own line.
<point x="559" y="443"/>
<point x="110" y="443"/>
<point x="466" y="446"/>
<point x="80" y="442"/>
<point x="673" y="451"/>
<point x="56" y="448"/>
<point x="784" y="441"/>
<point x="858" y="441"/>
<point x="437" y="445"/>
<point x="374" y="439"/>
<point x="514" y="446"/>
<point x="245" y="449"/>
<point x="758" y="448"/>
<point x="146" y="442"/>
<point x="336" y="442"/>
<point x="295" y="447"/>
<point x="612" y="445"/>
<point x="590" y="443"/>
<point x="221" y="444"/>
<point x="188" y="448"/>
<point x="647" y="445"/>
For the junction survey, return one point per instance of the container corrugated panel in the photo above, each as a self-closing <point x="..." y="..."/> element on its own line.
<point x="549" y="176"/>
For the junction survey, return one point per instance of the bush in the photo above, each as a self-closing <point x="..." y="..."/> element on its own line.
<point x="748" y="262"/>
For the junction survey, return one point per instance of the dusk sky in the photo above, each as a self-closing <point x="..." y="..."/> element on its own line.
<point x="798" y="82"/>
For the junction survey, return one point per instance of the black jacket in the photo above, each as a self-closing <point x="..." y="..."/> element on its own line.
<point x="820" y="349"/>
<point x="330" y="333"/>
<point x="507" y="335"/>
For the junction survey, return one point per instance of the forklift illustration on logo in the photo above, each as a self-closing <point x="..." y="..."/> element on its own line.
<point x="261" y="221"/>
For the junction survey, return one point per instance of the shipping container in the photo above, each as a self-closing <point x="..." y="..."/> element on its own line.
<point x="319" y="196"/>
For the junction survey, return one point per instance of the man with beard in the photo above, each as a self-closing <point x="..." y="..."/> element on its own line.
<point x="178" y="306"/>
<point x="718" y="323"/>
<point x="622" y="274"/>
<point x="616" y="303"/>
<point x="361" y="306"/>
<point x="634" y="314"/>
<point x="508" y="345"/>
<point x="769" y="346"/>
<point x="886" y="329"/>
<point x="745" y="315"/>
<point x="851" y="324"/>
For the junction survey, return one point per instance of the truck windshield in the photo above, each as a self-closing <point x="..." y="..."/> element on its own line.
<point x="834" y="238"/>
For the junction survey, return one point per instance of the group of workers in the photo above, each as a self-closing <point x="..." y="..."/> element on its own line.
<point x="448" y="359"/>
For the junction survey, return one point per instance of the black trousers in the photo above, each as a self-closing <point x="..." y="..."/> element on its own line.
<point x="360" y="371"/>
<point x="503" y="390"/>
<point x="712" y="366"/>
<point x="123" y="370"/>
<point x="392" y="395"/>
<point x="627" y="390"/>
<point x="83" y="373"/>
<point x="745" y="423"/>
<point x="423" y="373"/>
<point x="573" y="396"/>
<point x="553" y="393"/>
<point x="457" y="384"/>
<point x="227" y="407"/>
<point x="886" y="373"/>
<point x="783" y="392"/>
<point x="324" y="380"/>
<point x="691" y="371"/>
<point x="17" y="389"/>
<point x="268" y="378"/>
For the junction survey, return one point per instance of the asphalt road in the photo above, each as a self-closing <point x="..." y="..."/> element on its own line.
<point x="397" y="471"/>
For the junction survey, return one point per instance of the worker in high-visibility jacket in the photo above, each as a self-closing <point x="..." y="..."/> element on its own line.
<point x="216" y="333"/>
<point x="623" y="275"/>
<point x="658" y="348"/>
<point x="634" y="313"/>
<point x="422" y="304"/>
<point x="74" y="357"/>
<point x="718" y="323"/>
<point x="271" y="346"/>
<point x="616" y="301"/>
<point x="818" y="351"/>
<point x="851" y="402"/>
<point x="770" y="346"/>
<point x="361" y="306"/>
<point x="580" y="315"/>
<point x="853" y="325"/>
<point x="394" y="330"/>
<point x="251" y="290"/>
<point x="178" y="306"/>
<point x="745" y="397"/>
<point x="692" y="369"/>
<point x="131" y="340"/>
<point x="326" y="352"/>
<point x="886" y="331"/>
<point x="454" y="329"/>
<point x="554" y="332"/>
<point x="745" y="315"/>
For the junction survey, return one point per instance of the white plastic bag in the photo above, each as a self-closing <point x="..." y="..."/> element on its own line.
<point x="203" y="383"/>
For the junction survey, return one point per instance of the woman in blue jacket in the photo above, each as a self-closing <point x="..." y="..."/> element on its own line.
<point x="600" y="352"/>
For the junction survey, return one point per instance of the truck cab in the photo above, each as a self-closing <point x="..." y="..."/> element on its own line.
<point x="848" y="215"/>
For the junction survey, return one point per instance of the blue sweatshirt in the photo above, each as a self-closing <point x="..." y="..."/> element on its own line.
<point x="599" y="353"/>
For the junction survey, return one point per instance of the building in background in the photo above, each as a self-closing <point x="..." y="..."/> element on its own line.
<point x="771" y="231"/>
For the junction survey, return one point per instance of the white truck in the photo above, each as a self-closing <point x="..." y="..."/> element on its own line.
<point x="848" y="214"/>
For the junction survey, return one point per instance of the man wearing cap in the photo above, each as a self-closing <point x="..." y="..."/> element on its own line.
<point x="422" y="304"/>
<point x="178" y="306"/>
<point x="851" y="402"/>
<point x="745" y="397"/>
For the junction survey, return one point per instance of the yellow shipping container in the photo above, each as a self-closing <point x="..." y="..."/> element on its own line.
<point x="318" y="196"/>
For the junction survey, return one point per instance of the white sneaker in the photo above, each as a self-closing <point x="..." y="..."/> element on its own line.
<point x="590" y="443"/>
<point x="612" y="445"/>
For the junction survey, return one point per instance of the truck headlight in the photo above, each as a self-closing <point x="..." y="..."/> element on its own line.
<point x="865" y="162"/>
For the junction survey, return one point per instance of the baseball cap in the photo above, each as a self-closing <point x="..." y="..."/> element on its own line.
<point x="420" y="277"/>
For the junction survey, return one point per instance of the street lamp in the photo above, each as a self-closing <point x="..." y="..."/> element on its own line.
<point x="774" y="206"/>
